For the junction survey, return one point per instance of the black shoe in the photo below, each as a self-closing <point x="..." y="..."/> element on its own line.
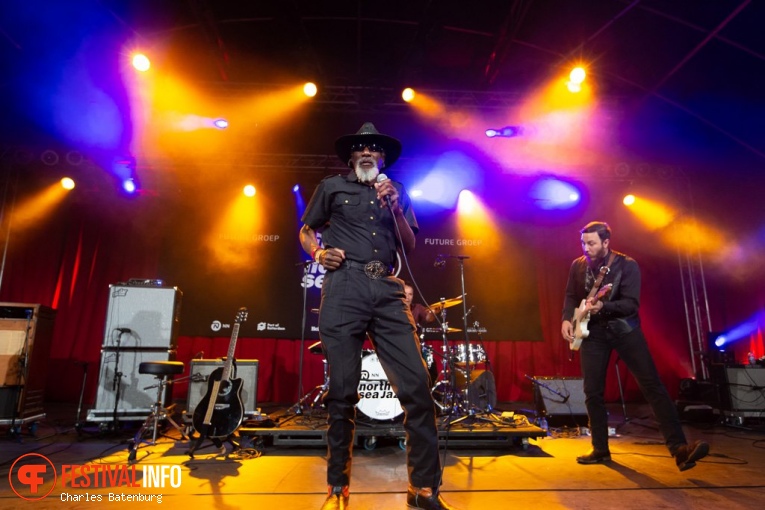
<point x="337" y="499"/>
<point x="416" y="499"/>
<point x="594" y="457"/>
<point x="687" y="455"/>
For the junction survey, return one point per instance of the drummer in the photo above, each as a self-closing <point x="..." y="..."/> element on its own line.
<point x="421" y="314"/>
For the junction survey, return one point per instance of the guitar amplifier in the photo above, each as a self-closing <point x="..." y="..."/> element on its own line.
<point x="246" y="370"/>
<point x="561" y="400"/>
<point x="136" y="392"/>
<point x="142" y="317"/>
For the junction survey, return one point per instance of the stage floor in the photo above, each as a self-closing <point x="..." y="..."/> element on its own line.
<point x="486" y="465"/>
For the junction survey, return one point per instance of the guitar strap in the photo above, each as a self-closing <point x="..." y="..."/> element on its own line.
<point x="601" y="274"/>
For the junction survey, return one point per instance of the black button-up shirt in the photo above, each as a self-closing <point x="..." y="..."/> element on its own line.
<point x="351" y="218"/>
<point x="622" y="302"/>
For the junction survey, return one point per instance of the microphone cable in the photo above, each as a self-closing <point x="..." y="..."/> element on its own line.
<point x="382" y="177"/>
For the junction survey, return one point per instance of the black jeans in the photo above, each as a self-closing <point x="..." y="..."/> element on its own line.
<point x="352" y="305"/>
<point x="633" y="350"/>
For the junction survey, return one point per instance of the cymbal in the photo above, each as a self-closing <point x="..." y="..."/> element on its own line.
<point x="453" y="330"/>
<point x="446" y="303"/>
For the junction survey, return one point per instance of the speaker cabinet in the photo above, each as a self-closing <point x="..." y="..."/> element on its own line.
<point x="142" y="317"/>
<point x="561" y="400"/>
<point x="137" y="392"/>
<point x="742" y="388"/>
<point x="246" y="370"/>
<point x="26" y="334"/>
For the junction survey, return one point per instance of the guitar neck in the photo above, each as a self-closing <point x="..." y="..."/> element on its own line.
<point x="230" y="355"/>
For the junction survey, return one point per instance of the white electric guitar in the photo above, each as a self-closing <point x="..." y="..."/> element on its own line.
<point x="581" y="318"/>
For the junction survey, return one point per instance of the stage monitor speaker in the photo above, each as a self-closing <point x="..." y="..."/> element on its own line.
<point x="142" y="317"/>
<point x="137" y="392"/>
<point x="561" y="400"/>
<point x="743" y="388"/>
<point x="246" y="370"/>
<point x="482" y="392"/>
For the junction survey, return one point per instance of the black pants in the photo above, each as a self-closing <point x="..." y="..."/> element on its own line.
<point x="352" y="305"/>
<point x="633" y="350"/>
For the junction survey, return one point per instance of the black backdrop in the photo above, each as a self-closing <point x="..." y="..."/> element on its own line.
<point x="260" y="268"/>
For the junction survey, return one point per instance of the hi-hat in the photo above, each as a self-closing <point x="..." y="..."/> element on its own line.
<point x="446" y="303"/>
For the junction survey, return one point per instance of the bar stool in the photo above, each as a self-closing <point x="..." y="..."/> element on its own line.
<point x="162" y="370"/>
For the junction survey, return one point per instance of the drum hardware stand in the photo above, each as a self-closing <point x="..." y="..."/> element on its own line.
<point x="446" y="377"/>
<point x="472" y="413"/>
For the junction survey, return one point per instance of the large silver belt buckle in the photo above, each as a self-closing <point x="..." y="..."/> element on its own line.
<point x="375" y="270"/>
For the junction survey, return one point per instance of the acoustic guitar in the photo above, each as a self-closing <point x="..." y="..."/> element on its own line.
<point x="220" y="412"/>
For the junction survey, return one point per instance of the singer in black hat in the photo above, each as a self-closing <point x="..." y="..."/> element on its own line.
<point x="365" y="219"/>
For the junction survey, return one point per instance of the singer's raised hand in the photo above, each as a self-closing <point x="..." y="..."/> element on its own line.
<point x="387" y="193"/>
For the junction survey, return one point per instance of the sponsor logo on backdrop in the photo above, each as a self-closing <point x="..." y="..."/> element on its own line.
<point x="217" y="325"/>
<point x="267" y="326"/>
<point x="258" y="238"/>
<point x="436" y="241"/>
<point x="314" y="277"/>
<point x="33" y="477"/>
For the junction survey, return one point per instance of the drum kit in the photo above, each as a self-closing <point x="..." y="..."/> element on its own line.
<point x="460" y="388"/>
<point x="455" y="391"/>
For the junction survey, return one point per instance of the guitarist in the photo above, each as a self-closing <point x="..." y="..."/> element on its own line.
<point x="615" y="325"/>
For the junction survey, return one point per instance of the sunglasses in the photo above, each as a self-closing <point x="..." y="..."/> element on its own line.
<point x="373" y="147"/>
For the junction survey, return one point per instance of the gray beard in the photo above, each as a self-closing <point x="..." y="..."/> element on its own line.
<point x="366" y="176"/>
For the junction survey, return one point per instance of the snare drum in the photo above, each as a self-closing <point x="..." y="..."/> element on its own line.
<point x="473" y="354"/>
<point x="378" y="401"/>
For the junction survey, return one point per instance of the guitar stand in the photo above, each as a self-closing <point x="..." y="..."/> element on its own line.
<point x="218" y="443"/>
<point x="162" y="370"/>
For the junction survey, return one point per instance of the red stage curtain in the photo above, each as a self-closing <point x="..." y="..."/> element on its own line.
<point x="70" y="262"/>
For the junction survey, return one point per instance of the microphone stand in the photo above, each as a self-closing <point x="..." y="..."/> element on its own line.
<point x="78" y="425"/>
<point x="471" y="409"/>
<point x="297" y="408"/>
<point x="621" y="392"/>
<point x="117" y="381"/>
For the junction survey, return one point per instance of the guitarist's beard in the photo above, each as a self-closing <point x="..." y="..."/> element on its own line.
<point x="598" y="260"/>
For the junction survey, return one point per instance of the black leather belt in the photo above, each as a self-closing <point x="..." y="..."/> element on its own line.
<point x="374" y="269"/>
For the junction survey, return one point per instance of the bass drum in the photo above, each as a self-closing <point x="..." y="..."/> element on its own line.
<point x="378" y="401"/>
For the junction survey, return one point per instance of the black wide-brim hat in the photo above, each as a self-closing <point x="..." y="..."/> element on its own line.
<point x="368" y="134"/>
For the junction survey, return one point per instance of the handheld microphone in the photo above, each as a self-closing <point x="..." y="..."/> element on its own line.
<point x="381" y="178"/>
